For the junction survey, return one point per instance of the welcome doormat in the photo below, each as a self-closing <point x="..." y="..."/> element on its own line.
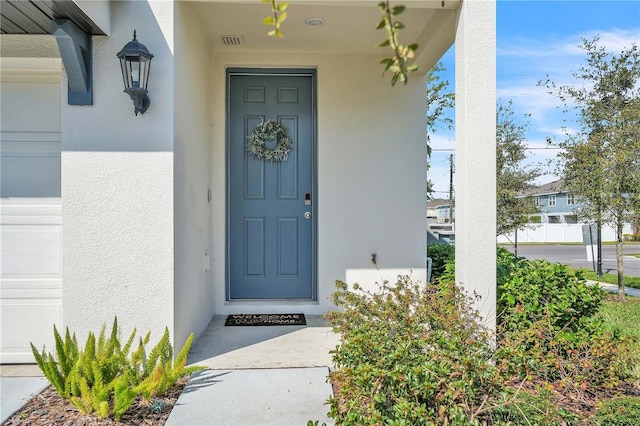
<point x="265" y="319"/>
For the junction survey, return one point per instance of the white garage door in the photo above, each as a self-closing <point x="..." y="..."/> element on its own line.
<point x="30" y="208"/>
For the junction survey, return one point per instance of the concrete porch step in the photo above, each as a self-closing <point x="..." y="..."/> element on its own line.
<point x="221" y="347"/>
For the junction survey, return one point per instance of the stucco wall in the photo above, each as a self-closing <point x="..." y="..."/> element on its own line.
<point x="117" y="185"/>
<point x="371" y="170"/>
<point x="192" y="154"/>
<point x="476" y="153"/>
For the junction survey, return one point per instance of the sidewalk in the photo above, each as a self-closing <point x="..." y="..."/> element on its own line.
<point x="612" y="288"/>
<point x="16" y="391"/>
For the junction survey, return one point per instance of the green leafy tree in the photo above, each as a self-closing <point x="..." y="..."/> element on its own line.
<point x="601" y="161"/>
<point x="440" y="102"/>
<point x="513" y="177"/>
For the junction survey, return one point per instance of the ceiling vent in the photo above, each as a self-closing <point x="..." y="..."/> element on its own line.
<point x="233" y="40"/>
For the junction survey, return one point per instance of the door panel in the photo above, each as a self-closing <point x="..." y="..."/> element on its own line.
<point x="271" y="244"/>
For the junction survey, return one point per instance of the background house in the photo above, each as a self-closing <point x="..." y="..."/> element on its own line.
<point x="432" y="206"/>
<point x="439" y="227"/>
<point x="440" y="210"/>
<point x="554" y="204"/>
<point x="107" y="213"/>
<point x="557" y="221"/>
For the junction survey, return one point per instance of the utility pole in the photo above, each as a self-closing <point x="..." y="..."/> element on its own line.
<point x="451" y="188"/>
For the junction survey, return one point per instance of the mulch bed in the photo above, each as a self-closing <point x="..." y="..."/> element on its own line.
<point x="582" y="403"/>
<point x="48" y="408"/>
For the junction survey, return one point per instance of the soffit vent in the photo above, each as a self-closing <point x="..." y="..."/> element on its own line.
<point x="232" y="40"/>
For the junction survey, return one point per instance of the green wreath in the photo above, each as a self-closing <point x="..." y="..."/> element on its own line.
<point x="269" y="130"/>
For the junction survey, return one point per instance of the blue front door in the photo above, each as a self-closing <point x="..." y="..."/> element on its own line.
<point x="271" y="232"/>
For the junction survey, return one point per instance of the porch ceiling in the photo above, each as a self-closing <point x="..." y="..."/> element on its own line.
<point x="349" y="26"/>
<point x="35" y="16"/>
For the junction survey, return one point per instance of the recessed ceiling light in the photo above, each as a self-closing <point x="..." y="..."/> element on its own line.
<point x="314" y="22"/>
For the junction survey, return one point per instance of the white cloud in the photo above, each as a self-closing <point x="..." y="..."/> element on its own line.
<point x="557" y="58"/>
<point x="522" y="47"/>
<point x="442" y="141"/>
<point x="522" y="62"/>
<point x="616" y="40"/>
<point x="529" y="99"/>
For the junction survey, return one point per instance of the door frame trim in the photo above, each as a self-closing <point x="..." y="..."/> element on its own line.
<point x="304" y="72"/>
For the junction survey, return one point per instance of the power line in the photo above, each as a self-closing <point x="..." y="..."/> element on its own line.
<point x="528" y="148"/>
<point x="446" y="160"/>
<point x="548" y="147"/>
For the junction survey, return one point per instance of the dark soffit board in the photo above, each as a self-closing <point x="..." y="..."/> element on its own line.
<point x="35" y="16"/>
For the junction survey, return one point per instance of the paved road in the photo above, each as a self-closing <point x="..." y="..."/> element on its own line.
<point x="576" y="256"/>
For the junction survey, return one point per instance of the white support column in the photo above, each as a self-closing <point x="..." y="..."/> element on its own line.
<point x="476" y="153"/>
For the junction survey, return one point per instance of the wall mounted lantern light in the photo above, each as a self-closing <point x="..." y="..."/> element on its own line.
<point x="135" y="62"/>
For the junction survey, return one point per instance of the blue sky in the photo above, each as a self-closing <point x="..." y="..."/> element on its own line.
<point x="536" y="38"/>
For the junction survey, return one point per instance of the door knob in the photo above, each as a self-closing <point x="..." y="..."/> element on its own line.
<point x="307" y="215"/>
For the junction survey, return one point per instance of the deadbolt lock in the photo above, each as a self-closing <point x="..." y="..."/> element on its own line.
<point x="307" y="215"/>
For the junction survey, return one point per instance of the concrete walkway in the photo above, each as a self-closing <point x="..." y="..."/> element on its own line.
<point x="258" y="376"/>
<point x="16" y="391"/>
<point x="612" y="288"/>
<point x="278" y="397"/>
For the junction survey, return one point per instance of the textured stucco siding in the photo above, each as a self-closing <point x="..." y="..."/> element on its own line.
<point x="117" y="186"/>
<point x="192" y="161"/>
<point x="476" y="153"/>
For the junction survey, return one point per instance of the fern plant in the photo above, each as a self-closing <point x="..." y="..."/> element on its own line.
<point x="91" y="381"/>
<point x="161" y="371"/>
<point x="57" y="370"/>
<point x="105" y="377"/>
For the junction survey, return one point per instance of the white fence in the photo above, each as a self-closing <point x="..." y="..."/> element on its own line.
<point x="557" y="233"/>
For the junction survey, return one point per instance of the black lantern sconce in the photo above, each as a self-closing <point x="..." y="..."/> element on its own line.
<point x="135" y="62"/>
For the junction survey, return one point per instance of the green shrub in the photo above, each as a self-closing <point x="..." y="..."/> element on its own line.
<point x="530" y="290"/>
<point x="417" y="355"/>
<point x="535" y="219"/>
<point x="104" y="378"/>
<point x="441" y="255"/>
<point x="548" y="328"/>
<point x="619" y="412"/>
<point x="409" y="355"/>
<point x="581" y="361"/>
